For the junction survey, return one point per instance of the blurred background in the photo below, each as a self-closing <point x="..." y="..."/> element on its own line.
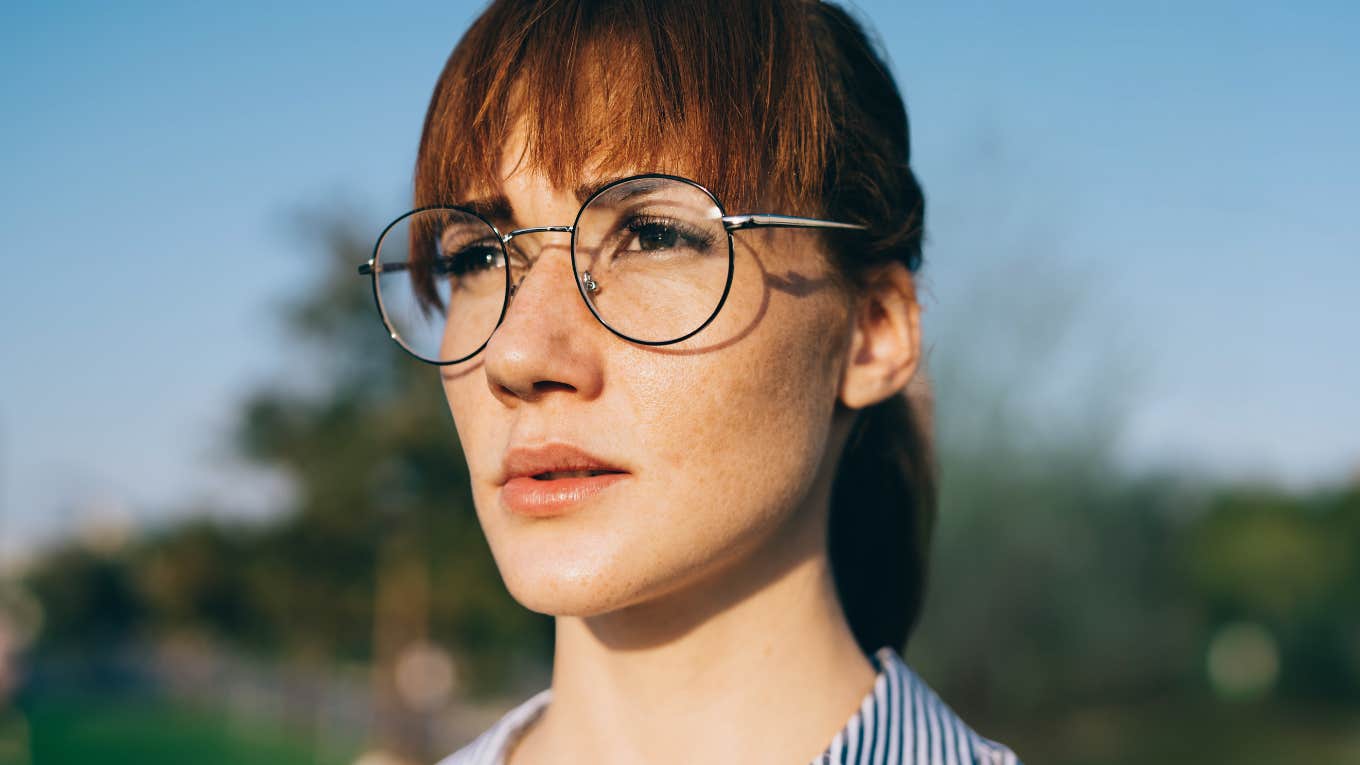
<point x="234" y="522"/>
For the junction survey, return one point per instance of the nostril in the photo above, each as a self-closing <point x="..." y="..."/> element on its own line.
<point x="533" y="392"/>
<point x="548" y="386"/>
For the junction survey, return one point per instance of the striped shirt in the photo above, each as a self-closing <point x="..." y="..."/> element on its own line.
<point x="900" y="722"/>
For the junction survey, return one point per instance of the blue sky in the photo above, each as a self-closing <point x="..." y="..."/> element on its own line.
<point x="1193" y="166"/>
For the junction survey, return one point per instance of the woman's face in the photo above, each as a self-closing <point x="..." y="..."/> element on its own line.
<point x="719" y="439"/>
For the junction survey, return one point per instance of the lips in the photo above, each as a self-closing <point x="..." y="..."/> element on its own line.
<point x="555" y="478"/>
<point x="551" y="461"/>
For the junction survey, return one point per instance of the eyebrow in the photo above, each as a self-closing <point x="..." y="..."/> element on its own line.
<point x="495" y="208"/>
<point x="588" y="190"/>
<point x="498" y="208"/>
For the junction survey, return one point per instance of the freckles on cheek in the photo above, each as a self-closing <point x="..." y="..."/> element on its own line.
<point x="731" y="413"/>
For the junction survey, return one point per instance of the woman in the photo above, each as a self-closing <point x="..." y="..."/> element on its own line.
<point x="665" y="256"/>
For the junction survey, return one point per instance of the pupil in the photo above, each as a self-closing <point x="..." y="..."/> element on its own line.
<point x="656" y="237"/>
<point x="471" y="262"/>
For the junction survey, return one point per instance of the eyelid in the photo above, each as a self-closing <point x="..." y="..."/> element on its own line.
<point x="688" y="231"/>
<point x="466" y="234"/>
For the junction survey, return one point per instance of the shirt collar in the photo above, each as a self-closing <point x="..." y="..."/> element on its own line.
<point x="901" y="721"/>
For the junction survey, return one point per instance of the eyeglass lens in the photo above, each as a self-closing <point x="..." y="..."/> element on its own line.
<point x="651" y="257"/>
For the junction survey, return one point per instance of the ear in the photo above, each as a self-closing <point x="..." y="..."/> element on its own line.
<point x="885" y="345"/>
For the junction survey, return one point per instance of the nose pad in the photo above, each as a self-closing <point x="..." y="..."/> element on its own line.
<point x="517" y="276"/>
<point x="587" y="281"/>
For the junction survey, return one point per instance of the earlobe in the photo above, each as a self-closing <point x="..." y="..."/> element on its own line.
<point x="884" y="348"/>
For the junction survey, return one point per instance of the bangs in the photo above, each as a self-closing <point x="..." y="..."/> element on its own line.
<point x="728" y="94"/>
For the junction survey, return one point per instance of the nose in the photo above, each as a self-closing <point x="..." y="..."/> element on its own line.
<point x="548" y="342"/>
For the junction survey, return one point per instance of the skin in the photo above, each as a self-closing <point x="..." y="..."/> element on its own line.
<point x="696" y="617"/>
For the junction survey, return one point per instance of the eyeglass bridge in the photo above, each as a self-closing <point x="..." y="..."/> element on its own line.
<point x="587" y="280"/>
<point x="537" y="230"/>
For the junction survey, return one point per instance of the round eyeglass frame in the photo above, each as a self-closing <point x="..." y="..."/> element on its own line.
<point x="373" y="267"/>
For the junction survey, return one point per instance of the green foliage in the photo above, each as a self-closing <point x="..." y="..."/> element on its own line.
<point x="366" y="440"/>
<point x="87" y="599"/>
<point x="1184" y="730"/>
<point x="1050" y="584"/>
<point x="1292" y="564"/>
<point x="123" y="732"/>
<point x="1061" y="578"/>
<point x="373" y="454"/>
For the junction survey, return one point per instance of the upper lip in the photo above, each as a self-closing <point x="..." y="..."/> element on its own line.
<point x="524" y="461"/>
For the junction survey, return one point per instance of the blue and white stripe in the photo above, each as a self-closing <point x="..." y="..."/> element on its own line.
<point x="903" y="722"/>
<point x="900" y="722"/>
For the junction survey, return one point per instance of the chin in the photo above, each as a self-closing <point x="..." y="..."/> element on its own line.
<point x="569" y="587"/>
<point x="594" y="572"/>
<point x="564" y="567"/>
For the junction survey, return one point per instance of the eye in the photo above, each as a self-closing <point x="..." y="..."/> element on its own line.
<point x="652" y="234"/>
<point x="469" y="260"/>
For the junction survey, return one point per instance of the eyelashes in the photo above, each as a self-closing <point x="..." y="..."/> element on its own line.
<point x="668" y="232"/>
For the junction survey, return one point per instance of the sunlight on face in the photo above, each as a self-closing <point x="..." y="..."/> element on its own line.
<point x="720" y="435"/>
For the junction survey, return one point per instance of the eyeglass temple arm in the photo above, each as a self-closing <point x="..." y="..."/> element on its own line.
<point x="739" y="222"/>
<point x="367" y="268"/>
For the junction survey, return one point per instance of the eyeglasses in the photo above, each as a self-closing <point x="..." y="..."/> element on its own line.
<point x="652" y="256"/>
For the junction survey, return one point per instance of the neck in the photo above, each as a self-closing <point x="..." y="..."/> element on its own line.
<point x="755" y="663"/>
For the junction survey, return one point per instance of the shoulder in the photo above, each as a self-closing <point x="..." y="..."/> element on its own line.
<point x="913" y="724"/>
<point x="489" y="747"/>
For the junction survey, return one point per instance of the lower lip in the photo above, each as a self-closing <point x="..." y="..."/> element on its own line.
<point x="543" y="499"/>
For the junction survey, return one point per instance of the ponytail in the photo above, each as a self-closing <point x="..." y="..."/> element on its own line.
<point x="883" y="505"/>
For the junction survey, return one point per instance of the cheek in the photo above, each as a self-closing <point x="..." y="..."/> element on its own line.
<point x="752" y="404"/>
<point x="744" y="427"/>
<point x="732" y="439"/>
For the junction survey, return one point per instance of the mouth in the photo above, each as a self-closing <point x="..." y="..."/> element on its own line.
<point x="554" y="479"/>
